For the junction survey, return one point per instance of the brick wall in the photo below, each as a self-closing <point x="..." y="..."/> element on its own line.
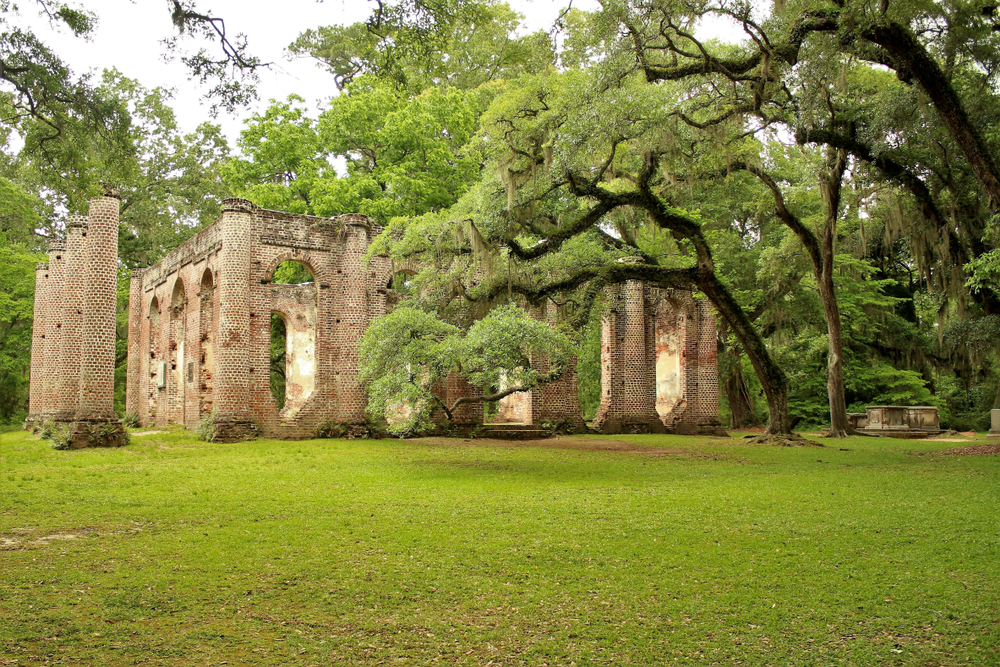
<point x="659" y="367"/>
<point x="97" y="359"/>
<point x="217" y="333"/>
<point x="35" y="379"/>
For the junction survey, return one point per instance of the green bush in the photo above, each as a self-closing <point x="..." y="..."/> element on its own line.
<point x="206" y="427"/>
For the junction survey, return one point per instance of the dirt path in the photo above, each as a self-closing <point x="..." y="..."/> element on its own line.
<point x="570" y="442"/>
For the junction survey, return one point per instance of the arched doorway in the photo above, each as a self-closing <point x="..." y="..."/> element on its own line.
<point x="293" y="336"/>
<point x="206" y="338"/>
<point x="157" y="370"/>
<point x="176" y="362"/>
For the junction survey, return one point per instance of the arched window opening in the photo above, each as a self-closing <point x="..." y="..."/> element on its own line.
<point x="154" y="327"/>
<point x="157" y="372"/>
<point x="175" y="364"/>
<point x="206" y="357"/>
<point x="401" y="281"/>
<point x="293" y="336"/>
<point x="279" y="356"/>
<point x="177" y="299"/>
<point x="291" y="272"/>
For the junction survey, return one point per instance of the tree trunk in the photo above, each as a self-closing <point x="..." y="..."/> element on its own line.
<point x="741" y="406"/>
<point x="821" y="254"/>
<point x="839" y="427"/>
<point x="772" y="379"/>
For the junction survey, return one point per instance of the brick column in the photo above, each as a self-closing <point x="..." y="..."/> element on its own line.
<point x="53" y="329"/>
<point x="353" y="322"/>
<point x="232" y="378"/>
<point x="708" y="371"/>
<point x="71" y="348"/>
<point x="607" y="411"/>
<point x="35" y="381"/>
<point x="628" y="365"/>
<point x="133" y="385"/>
<point x="97" y="362"/>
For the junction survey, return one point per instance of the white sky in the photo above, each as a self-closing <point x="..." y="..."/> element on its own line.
<point x="129" y="33"/>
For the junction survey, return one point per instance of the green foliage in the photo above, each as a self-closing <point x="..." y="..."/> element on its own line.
<point x="279" y="352"/>
<point x="292" y="273"/>
<point x="588" y="366"/>
<point x="56" y="433"/>
<point x="407" y="353"/>
<point x="462" y="44"/>
<point x="17" y="287"/>
<point x="401" y="357"/>
<point x="206" y="427"/>
<point x="405" y="154"/>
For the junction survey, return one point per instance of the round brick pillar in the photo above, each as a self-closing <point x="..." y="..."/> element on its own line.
<point x="71" y="347"/>
<point x="35" y="381"/>
<point x="232" y="377"/>
<point x="133" y="386"/>
<point x="53" y="328"/>
<point x="97" y="360"/>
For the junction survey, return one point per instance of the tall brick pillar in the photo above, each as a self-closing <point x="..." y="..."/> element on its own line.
<point x="133" y="385"/>
<point x="35" y="381"/>
<point x="708" y="371"/>
<point x="97" y="361"/>
<point x="53" y="328"/>
<point x="232" y="379"/>
<point x="628" y="365"/>
<point x="354" y="319"/>
<point x="71" y="348"/>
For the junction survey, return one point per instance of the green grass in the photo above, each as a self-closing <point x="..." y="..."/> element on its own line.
<point x="177" y="552"/>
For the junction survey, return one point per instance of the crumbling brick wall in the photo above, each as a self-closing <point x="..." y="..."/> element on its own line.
<point x="73" y="360"/>
<point x="200" y="334"/>
<point x="226" y="273"/>
<point x="659" y="367"/>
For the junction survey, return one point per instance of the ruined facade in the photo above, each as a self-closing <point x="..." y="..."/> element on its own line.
<point x="73" y="341"/>
<point x="200" y="324"/>
<point x="200" y="336"/>
<point x="659" y="365"/>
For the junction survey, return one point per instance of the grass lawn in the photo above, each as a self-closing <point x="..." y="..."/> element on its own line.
<point x="635" y="550"/>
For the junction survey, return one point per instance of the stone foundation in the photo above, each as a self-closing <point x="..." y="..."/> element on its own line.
<point x="102" y="433"/>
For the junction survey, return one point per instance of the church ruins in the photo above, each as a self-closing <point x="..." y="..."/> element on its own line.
<point x="200" y="336"/>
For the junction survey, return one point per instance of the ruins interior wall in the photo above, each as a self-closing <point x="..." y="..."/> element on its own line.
<point x="221" y="278"/>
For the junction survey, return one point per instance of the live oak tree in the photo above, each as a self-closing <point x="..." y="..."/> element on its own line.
<point x="404" y="355"/>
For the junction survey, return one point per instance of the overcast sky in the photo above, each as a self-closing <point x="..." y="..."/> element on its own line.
<point x="129" y="33"/>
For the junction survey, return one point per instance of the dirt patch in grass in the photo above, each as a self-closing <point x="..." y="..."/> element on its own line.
<point x="974" y="450"/>
<point x="25" y="539"/>
<point x="568" y="442"/>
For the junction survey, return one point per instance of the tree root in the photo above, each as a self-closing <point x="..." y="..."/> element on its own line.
<point x="783" y="440"/>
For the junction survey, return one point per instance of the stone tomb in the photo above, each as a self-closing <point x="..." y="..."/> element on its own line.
<point x="898" y="420"/>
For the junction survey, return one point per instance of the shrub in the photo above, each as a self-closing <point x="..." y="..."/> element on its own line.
<point x="206" y="427"/>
